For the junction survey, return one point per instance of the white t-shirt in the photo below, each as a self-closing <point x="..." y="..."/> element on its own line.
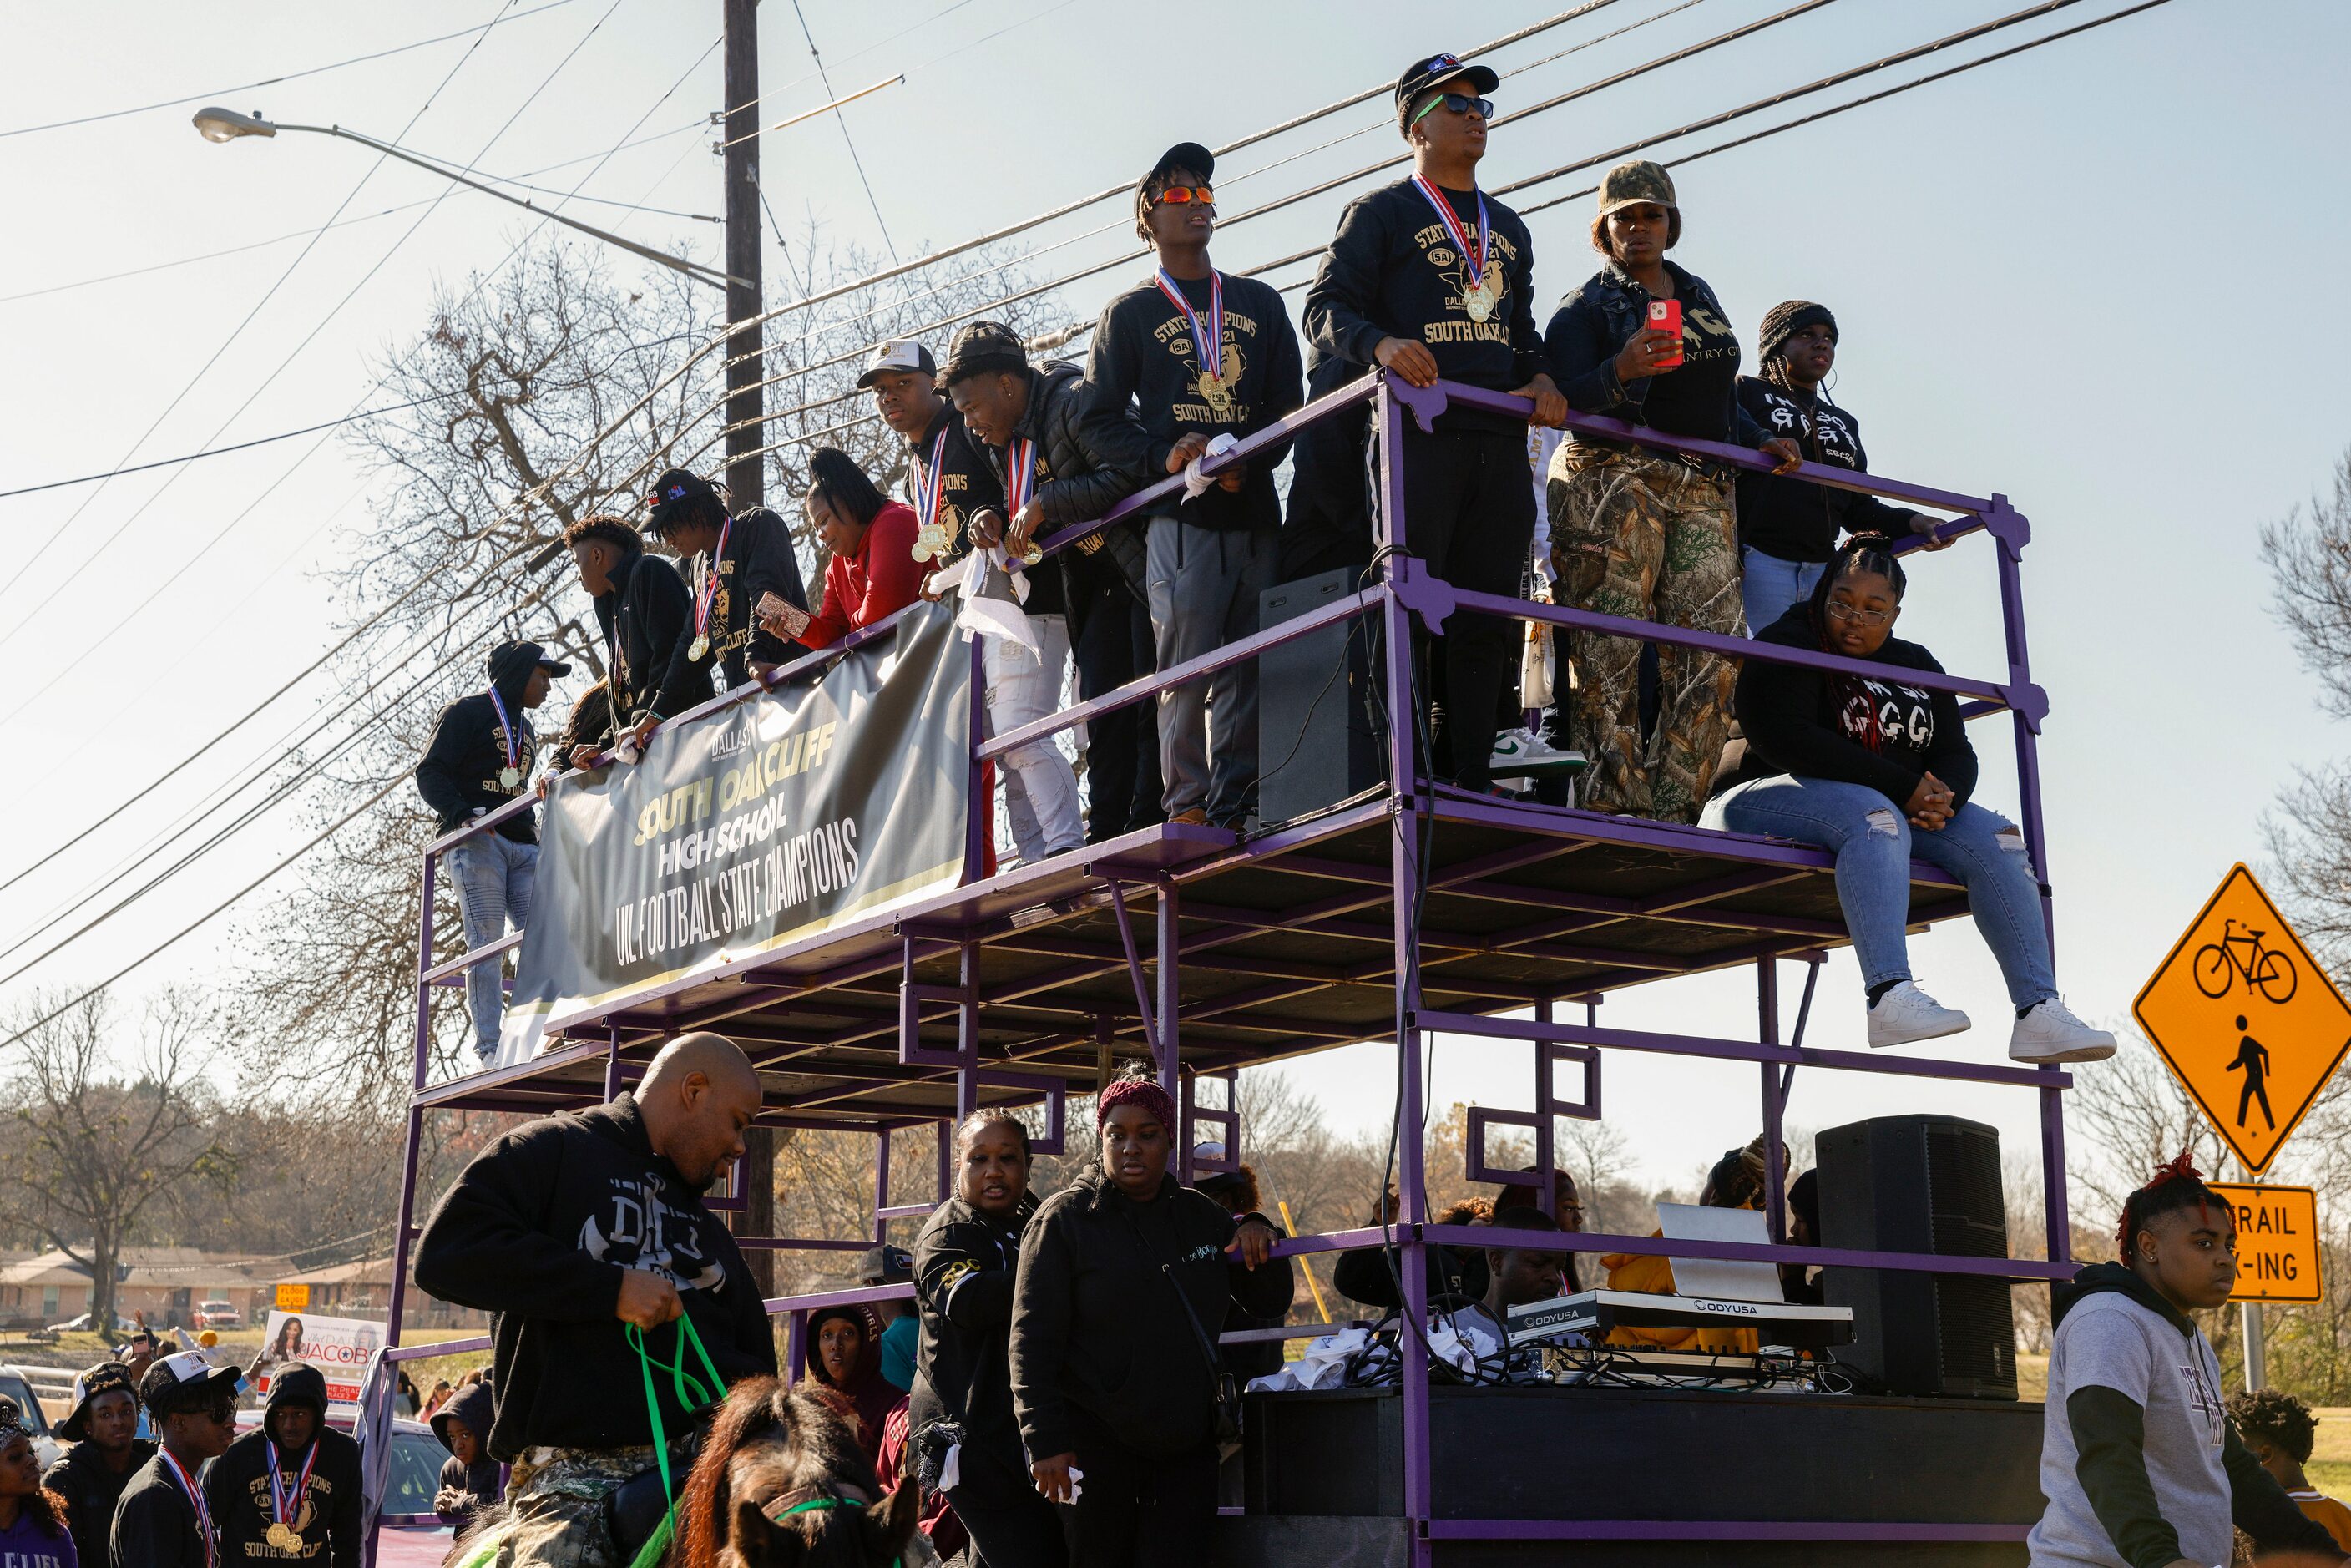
<point x="2109" y="1341"/>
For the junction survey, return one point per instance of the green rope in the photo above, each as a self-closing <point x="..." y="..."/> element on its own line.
<point x="691" y="1395"/>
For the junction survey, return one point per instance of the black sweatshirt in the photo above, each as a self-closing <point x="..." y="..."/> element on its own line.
<point x="537" y="1231"/>
<point x="1796" y="520"/>
<point x="1818" y="725"/>
<point x="759" y="559"/>
<point x="968" y="483"/>
<point x="155" y="1521"/>
<point x="327" y="1513"/>
<point x="1143" y="383"/>
<point x="645" y="618"/>
<point x="1392" y="272"/>
<point x="458" y="776"/>
<point x="2110" y="1439"/>
<point x="965" y="1266"/>
<point x="1096" y="1322"/>
<point x="91" y="1491"/>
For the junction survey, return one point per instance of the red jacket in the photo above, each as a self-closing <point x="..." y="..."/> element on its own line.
<point x="881" y="580"/>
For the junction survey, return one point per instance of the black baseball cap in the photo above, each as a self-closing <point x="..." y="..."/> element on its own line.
<point x="185" y="1382"/>
<point x="1436" y="71"/>
<point x="1183" y="155"/>
<point x="675" y="490"/>
<point x="509" y="659"/>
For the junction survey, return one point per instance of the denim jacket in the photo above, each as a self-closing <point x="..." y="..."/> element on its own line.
<point x="1595" y="322"/>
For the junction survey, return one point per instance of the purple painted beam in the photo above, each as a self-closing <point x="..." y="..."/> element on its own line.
<point x="1712" y="1530"/>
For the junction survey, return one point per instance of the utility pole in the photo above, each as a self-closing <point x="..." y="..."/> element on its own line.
<point x="746" y="435"/>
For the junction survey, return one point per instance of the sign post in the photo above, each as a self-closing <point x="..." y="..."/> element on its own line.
<point x="2277" y="1257"/>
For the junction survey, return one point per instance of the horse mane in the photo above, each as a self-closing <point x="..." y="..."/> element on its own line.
<point x="813" y="1429"/>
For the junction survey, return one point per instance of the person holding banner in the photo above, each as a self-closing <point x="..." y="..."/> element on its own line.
<point x="645" y="612"/>
<point x="164" y="1520"/>
<point x="1189" y="358"/>
<point x="292" y="1489"/>
<point x="743" y="559"/>
<point x="872" y="572"/>
<point x="585" y="1234"/>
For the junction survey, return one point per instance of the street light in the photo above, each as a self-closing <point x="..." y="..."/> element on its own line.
<point x="216" y="124"/>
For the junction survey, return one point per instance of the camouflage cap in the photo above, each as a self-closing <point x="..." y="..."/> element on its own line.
<point x="1637" y="181"/>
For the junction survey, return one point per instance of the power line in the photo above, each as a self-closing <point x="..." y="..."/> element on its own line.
<point x="273" y="81"/>
<point x="841" y="119"/>
<point x="214" y="451"/>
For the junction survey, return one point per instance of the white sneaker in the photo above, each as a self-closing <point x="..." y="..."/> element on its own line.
<point x="2050" y="1033"/>
<point x="1522" y="754"/>
<point x="1907" y="1013"/>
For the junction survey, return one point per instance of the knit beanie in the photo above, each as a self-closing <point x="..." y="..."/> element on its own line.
<point x="1787" y="318"/>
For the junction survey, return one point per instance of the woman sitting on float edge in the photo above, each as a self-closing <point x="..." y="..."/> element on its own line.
<point x="1879" y="771"/>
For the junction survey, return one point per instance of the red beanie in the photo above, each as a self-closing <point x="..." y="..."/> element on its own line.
<point x="1144" y="1092"/>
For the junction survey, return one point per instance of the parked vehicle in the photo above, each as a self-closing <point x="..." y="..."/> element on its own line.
<point x="87" y="1323"/>
<point x="218" y="1315"/>
<point x="16" y="1384"/>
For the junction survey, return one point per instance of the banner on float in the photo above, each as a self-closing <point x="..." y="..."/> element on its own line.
<point x="341" y="1348"/>
<point x="767" y="823"/>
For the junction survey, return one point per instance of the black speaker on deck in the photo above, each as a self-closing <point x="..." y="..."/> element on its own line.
<point x="1317" y="743"/>
<point x="1920" y="1183"/>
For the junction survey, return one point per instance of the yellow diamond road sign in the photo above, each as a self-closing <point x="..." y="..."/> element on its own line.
<point x="2249" y="1024"/>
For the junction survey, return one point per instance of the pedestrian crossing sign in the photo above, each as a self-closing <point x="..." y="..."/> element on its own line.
<point x="2246" y="1020"/>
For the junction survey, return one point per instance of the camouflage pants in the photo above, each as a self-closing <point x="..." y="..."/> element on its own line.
<point x="1647" y="537"/>
<point x="557" y="1497"/>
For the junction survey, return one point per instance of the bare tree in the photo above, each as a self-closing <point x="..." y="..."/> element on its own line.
<point x="2309" y="833"/>
<point x="100" y="1134"/>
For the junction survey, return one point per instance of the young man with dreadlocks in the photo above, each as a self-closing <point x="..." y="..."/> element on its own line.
<point x="1189" y="356"/>
<point x="2138" y="1460"/>
<point x="646" y="612"/>
<point x="736" y="560"/>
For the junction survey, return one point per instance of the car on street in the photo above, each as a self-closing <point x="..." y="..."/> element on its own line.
<point x="218" y="1315"/>
<point x="416" y="1460"/>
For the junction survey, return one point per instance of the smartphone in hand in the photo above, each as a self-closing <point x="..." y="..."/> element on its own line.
<point x="1665" y="316"/>
<point x="781" y="616"/>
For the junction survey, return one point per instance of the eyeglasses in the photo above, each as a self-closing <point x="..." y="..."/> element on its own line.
<point x="1858" y="617"/>
<point x="1181" y="196"/>
<point x="1459" y="103"/>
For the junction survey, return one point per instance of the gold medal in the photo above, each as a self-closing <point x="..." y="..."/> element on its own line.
<point x="1216" y="390"/>
<point x="700" y="647"/>
<point x="931" y="542"/>
<point x="1477" y="304"/>
<point x="509" y="777"/>
<point x="285" y="1537"/>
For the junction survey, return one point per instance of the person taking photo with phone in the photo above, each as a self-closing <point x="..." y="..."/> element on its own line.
<point x="1644" y="533"/>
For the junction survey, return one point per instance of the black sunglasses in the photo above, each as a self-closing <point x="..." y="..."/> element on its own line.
<point x="1459" y="103"/>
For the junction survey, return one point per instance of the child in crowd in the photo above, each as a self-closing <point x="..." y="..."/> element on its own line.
<point x="470" y="1480"/>
<point x="2139" y="1461"/>
<point x="2279" y="1428"/>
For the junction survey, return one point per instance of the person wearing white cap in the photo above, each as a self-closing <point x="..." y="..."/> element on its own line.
<point x="164" y="1520"/>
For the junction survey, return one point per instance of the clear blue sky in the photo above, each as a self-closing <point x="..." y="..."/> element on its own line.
<point x="2083" y="277"/>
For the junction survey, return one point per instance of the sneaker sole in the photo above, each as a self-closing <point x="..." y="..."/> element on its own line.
<point x="2072" y="1053"/>
<point x="1961" y="1027"/>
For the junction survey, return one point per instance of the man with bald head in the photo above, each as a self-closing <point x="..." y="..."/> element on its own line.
<point x="566" y="1230"/>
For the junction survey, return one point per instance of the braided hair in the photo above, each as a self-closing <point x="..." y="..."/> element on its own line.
<point x="2176" y="1185"/>
<point x="2274" y="1416"/>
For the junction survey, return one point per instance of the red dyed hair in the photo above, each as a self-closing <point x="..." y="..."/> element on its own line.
<point x="2176" y="1185"/>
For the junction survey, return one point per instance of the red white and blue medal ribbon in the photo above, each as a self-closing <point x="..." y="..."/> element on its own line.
<point x="196" y="1497"/>
<point x="1475" y="266"/>
<point x="931" y="540"/>
<point x="1209" y="340"/>
<point x="510" y="740"/>
<point x="708" y="594"/>
<point x="285" y="1507"/>
<point x="1020" y="485"/>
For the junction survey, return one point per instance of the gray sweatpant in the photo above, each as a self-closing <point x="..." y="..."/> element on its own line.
<point x="1204" y="584"/>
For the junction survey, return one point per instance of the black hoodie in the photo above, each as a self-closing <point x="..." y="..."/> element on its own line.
<point x="759" y="560"/>
<point x="327" y="1512"/>
<point x="2109" y="1436"/>
<point x="1096" y="1323"/>
<point x="645" y="619"/>
<point x="964" y="1267"/>
<point x="537" y="1231"/>
<point x="459" y="774"/>
<point x="477" y="1407"/>
<point x="91" y="1491"/>
<point x="155" y="1521"/>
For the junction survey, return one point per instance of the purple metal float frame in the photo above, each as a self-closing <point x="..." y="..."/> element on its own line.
<point x="1156" y="863"/>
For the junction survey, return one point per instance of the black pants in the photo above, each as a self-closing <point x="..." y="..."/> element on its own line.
<point x="1139" y="1510"/>
<point x="1330" y="520"/>
<point x="1110" y="634"/>
<point x="1469" y="513"/>
<point x="1009" y="1528"/>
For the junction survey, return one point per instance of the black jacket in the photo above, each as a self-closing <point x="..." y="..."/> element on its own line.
<point x="1075" y="484"/>
<point x="327" y="1513"/>
<point x="459" y="774"/>
<point x="1392" y="272"/>
<point x="968" y="483"/>
<point x="1096" y="1323"/>
<point x="645" y="620"/>
<point x="537" y="1231"/>
<point x="759" y="559"/>
<point x="2110" y="1437"/>
<point x="1817" y="724"/>
<point x="965" y="1266"/>
<point x="1796" y="519"/>
<point x="1369" y="1274"/>
<point x="91" y="1491"/>
<point x="155" y="1523"/>
<point x="1696" y="398"/>
<point x="1142" y="390"/>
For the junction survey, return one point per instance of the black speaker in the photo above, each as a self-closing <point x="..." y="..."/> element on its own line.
<point x="1317" y="744"/>
<point x="1920" y="1183"/>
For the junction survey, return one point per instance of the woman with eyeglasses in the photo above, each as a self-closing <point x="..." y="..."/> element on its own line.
<point x="1879" y="771"/>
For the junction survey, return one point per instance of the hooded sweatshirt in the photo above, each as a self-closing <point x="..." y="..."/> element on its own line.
<point x="758" y="560"/>
<point x="326" y="1512"/>
<point x="868" y="1396"/>
<point x="643" y="619"/>
<point x="459" y="774"/>
<point x="155" y="1523"/>
<point x="1098" y="1330"/>
<point x="2139" y="1460"/>
<point x="477" y="1407"/>
<point x="964" y="1267"/>
<point x="91" y="1491"/>
<point x="537" y="1231"/>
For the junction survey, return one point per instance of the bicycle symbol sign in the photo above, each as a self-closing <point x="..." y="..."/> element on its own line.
<point x="2246" y="1020"/>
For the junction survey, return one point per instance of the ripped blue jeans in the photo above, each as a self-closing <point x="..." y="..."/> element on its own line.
<point x="1874" y="844"/>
